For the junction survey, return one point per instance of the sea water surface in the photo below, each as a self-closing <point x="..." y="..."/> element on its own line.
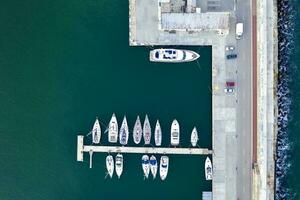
<point x="288" y="144"/>
<point x="62" y="63"/>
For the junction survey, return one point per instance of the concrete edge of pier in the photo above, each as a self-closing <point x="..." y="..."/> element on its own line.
<point x="267" y="112"/>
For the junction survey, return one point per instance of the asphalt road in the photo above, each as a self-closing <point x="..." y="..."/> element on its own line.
<point x="244" y="107"/>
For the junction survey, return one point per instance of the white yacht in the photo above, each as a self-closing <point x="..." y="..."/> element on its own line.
<point x="124" y="132"/>
<point x="173" y="55"/>
<point x="208" y="169"/>
<point x="137" y="131"/>
<point x="153" y="166"/>
<point x="147" y="131"/>
<point x="113" y="129"/>
<point x="110" y="165"/>
<point x="175" y="133"/>
<point x="119" y="165"/>
<point x="96" y="132"/>
<point x="194" y="137"/>
<point x="157" y="134"/>
<point x="146" y="165"/>
<point x="164" y="167"/>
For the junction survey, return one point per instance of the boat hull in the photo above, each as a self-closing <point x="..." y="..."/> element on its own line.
<point x="96" y="132"/>
<point x="147" y="131"/>
<point x="157" y="134"/>
<point x="208" y="169"/>
<point x="180" y="56"/>
<point x="124" y="132"/>
<point x="137" y="131"/>
<point x="153" y="166"/>
<point x="119" y="165"/>
<point x="113" y="130"/>
<point x="194" y="137"/>
<point x="146" y="165"/>
<point x="110" y="165"/>
<point x="175" y="133"/>
<point x="164" y="167"/>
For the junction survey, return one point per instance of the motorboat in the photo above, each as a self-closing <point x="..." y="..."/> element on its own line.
<point x="157" y="134"/>
<point x="153" y="166"/>
<point x="147" y="131"/>
<point x="110" y="165"/>
<point x="173" y="55"/>
<point x="164" y="167"/>
<point x="146" y="165"/>
<point x="194" y="137"/>
<point x="175" y="133"/>
<point x="113" y="129"/>
<point x="137" y="131"/>
<point x="124" y="132"/>
<point x="208" y="169"/>
<point x="119" y="165"/>
<point x="96" y="132"/>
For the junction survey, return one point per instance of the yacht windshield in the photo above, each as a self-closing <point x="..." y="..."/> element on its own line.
<point x="156" y="55"/>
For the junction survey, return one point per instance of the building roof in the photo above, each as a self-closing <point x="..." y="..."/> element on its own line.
<point x="195" y="21"/>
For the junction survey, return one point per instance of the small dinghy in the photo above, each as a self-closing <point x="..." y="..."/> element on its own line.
<point x="96" y="132"/>
<point x="137" y="131"/>
<point x="146" y="165"/>
<point x="153" y="166"/>
<point x="157" y="134"/>
<point x="110" y="165"/>
<point x="194" y="137"/>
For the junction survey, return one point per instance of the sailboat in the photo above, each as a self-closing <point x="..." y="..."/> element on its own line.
<point x="96" y="132"/>
<point x="194" y="137"/>
<point x="137" y="131"/>
<point x="208" y="169"/>
<point x="110" y="165"/>
<point x="124" y="133"/>
<point x="147" y="131"/>
<point x="113" y="129"/>
<point x="175" y="133"/>
<point x="157" y="134"/>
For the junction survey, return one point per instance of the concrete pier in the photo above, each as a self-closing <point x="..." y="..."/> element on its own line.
<point x="139" y="150"/>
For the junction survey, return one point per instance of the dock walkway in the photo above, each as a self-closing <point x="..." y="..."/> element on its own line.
<point x="81" y="148"/>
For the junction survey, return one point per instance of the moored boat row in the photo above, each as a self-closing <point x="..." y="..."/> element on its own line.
<point x="148" y="165"/>
<point x="139" y="131"/>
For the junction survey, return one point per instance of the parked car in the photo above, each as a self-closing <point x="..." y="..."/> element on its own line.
<point x="229" y="87"/>
<point x="231" y="56"/>
<point x="229" y="48"/>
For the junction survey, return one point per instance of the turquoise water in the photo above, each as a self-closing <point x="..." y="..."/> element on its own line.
<point x="63" y="64"/>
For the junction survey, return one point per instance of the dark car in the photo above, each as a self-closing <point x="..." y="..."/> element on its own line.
<point x="231" y="56"/>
